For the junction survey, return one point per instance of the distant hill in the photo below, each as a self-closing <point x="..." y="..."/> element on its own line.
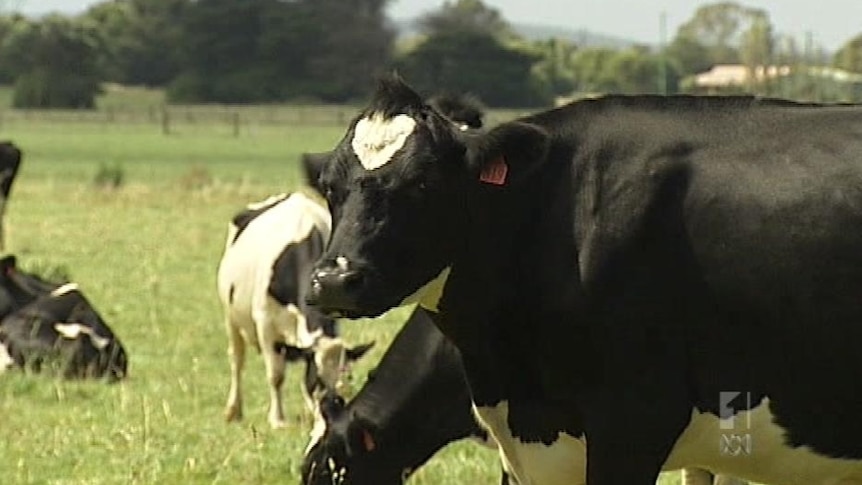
<point x="581" y="37"/>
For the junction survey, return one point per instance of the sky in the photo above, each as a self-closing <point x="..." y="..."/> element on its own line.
<point x="831" y="22"/>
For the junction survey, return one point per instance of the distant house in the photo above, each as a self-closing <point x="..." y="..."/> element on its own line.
<point x="737" y="75"/>
<point x="835" y="84"/>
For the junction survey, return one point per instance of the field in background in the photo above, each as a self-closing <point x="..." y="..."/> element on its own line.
<point x="145" y="254"/>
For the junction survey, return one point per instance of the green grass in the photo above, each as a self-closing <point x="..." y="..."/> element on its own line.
<point x="145" y="254"/>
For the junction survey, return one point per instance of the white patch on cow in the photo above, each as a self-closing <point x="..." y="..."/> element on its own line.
<point x="376" y="138"/>
<point x="563" y="462"/>
<point x="6" y="360"/>
<point x="463" y="127"/>
<point x="703" y="444"/>
<point x="720" y="446"/>
<point x="73" y="331"/>
<point x="318" y="431"/>
<point x="429" y="295"/>
<point x="342" y="263"/>
<point x="67" y="288"/>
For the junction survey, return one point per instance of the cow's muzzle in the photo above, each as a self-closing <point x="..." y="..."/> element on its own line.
<point x="334" y="291"/>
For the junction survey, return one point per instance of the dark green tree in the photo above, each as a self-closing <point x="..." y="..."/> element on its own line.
<point x="477" y="63"/>
<point x="55" y="61"/>
<point x="849" y="56"/>
<point x="8" y="23"/>
<point x="139" y="39"/>
<point x="263" y="50"/>
<point x="465" y="16"/>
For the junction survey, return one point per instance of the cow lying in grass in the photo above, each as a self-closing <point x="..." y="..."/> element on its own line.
<point x="46" y="326"/>
<point x="262" y="284"/>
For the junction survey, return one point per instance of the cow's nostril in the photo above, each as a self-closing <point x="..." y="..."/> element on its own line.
<point x="333" y="289"/>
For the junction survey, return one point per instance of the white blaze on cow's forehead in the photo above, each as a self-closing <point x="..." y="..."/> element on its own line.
<point x="376" y="138"/>
<point x="342" y="263"/>
<point x="74" y="330"/>
<point x="5" y="359"/>
<point x="428" y="296"/>
<point x="317" y="431"/>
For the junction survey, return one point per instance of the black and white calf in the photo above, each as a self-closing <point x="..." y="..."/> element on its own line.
<point x="49" y="327"/>
<point x="10" y="160"/>
<point x="675" y="280"/>
<point x="263" y="283"/>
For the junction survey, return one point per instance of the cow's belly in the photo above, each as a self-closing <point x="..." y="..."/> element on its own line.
<point x="766" y="460"/>
<point x="563" y="462"/>
<point x="752" y="446"/>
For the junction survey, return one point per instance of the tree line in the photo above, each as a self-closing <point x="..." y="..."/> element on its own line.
<point x="259" y="51"/>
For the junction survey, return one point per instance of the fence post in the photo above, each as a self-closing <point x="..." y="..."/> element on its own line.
<point x="235" y="120"/>
<point x="166" y="122"/>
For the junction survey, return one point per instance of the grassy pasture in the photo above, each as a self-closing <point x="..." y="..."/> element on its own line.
<point x="145" y="254"/>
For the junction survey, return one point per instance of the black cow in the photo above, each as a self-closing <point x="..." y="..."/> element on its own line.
<point x="10" y="160"/>
<point x="627" y="270"/>
<point x="395" y="423"/>
<point x="61" y="331"/>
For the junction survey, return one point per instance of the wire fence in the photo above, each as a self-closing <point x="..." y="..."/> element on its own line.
<point x="178" y="118"/>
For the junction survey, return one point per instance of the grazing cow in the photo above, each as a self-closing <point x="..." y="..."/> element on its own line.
<point x="10" y="160"/>
<point x="61" y="331"/>
<point x="395" y="423"/>
<point x="675" y="279"/>
<point x="262" y="284"/>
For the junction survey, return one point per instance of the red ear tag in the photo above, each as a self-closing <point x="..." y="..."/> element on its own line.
<point x="368" y="440"/>
<point x="495" y="172"/>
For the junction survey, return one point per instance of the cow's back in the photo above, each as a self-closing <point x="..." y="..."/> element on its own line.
<point x="262" y="239"/>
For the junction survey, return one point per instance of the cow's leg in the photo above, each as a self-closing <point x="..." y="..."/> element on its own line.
<point x="236" y="355"/>
<point x="630" y="438"/>
<point x="275" y="364"/>
<point x="696" y="476"/>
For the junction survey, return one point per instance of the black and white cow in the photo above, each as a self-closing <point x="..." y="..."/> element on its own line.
<point x="10" y="160"/>
<point x="18" y="288"/>
<point x="46" y="326"/>
<point x="675" y="279"/>
<point x="262" y="284"/>
<point x="395" y="424"/>
<point x="415" y="402"/>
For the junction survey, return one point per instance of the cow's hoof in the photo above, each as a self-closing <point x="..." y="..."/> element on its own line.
<point x="232" y="415"/>
<point x="277" y="423"/>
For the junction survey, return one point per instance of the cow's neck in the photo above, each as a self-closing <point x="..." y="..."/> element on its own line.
<point x="517" y="260"/>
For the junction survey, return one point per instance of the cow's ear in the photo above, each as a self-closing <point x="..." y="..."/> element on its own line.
<point x="312" y="165"/>
<point x="507" y="154"/>
<point x="292" y="353"/>
<point x="357" y="352"/>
